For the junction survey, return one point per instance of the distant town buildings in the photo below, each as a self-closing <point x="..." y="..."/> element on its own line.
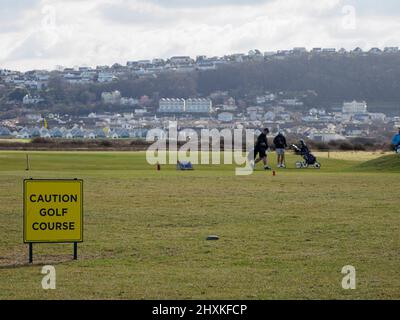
<point x="354" y="107"/>
<point x="104" y="76"/>
<point x="317" y="124"/>
<point x="38" y="79"/>
<point x="292" y="102"/>
<point x="290" y="111"/>
<point x="225" y="117"/>
<point x="198" y="105"/>
<point x="192" y="105"/>
<point x="171" y="105"/>
<point x="111" y="97"/>
<point x="115" y="98"/>
<point x="28" y="99"/>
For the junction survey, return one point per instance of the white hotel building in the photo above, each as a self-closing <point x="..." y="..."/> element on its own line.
<point x="172" y="105"/>
<point x="355" y="107"/>
<point x="196" y="105"/>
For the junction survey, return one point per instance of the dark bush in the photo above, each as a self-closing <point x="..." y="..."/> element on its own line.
<point x="333" y="143"/>
<point x="39" y="140"/>
<point x="346" y="146"/>
<point x="136" y="142"/>
<point x="367" y="142"/>
<point x="105" y="143"/>
<point x="322" y="146"/>
<point x="359" y="147"/>
<point x="74" y="142"/>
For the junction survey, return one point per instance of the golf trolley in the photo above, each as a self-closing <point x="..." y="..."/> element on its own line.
<point x="309" y="160"/>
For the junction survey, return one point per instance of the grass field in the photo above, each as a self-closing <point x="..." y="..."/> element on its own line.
<point x="281" y="237"/>
<point x="16" y="140"/>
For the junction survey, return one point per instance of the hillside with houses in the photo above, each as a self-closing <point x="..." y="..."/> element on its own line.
<point x="323" y="94"/>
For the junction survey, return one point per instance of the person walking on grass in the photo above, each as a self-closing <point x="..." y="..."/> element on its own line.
<point x="261" y="148"/>
<point x="280" y="145"/>
<point x="396" y="141"/>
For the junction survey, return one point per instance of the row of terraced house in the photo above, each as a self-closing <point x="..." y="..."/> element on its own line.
<point x="74" y="133"/>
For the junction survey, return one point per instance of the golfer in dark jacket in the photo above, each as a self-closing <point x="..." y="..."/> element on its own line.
<point x="280" y="145"/>
<point x="261" y="148"/>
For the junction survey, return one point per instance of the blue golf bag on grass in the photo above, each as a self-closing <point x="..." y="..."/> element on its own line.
<point x="184" y="165"/>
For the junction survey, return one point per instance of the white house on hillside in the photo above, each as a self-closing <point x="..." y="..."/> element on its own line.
<point x="355" y="107"/>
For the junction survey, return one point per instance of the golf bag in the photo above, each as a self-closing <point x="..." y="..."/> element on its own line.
<point x="184" y="165"/>
<point x="308" y="157"/>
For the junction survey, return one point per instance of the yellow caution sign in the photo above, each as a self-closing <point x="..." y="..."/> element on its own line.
<point x="53" y="210"/>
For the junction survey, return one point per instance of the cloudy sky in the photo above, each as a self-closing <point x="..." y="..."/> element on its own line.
<point x="38" y="34"/>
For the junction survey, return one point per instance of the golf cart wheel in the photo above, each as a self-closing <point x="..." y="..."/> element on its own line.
<point x="317" y="165"/>
<point x="299" y="165"/>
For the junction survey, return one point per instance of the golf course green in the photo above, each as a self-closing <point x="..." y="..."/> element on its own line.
<point x="283" y="236"/>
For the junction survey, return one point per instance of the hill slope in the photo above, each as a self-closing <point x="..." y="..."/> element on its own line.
<point x="386" y="163"/>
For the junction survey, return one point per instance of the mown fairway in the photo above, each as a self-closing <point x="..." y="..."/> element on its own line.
<point x="284" y="237"/>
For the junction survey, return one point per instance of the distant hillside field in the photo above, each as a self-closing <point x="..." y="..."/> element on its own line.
<point x="286" y="236"/>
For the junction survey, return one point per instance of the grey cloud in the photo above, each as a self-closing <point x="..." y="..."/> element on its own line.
<point x="13" y="7"/>
<point x="12" y="11"/>
<point x="206" y="3"/>
<point x="166" y="14"/>
<point x="374" y="7"/>
<point x="39" y="45"/>
<point x="176" y="27"/>
<point x="125" y="15"/>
